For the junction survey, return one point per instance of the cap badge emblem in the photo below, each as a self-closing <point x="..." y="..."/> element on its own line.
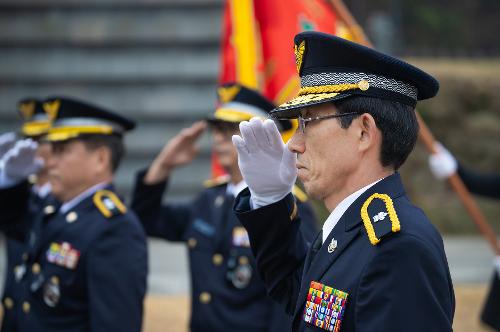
<point x="299" y="54"/>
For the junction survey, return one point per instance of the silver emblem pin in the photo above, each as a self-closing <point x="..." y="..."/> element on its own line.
<point x="332" y="246"/>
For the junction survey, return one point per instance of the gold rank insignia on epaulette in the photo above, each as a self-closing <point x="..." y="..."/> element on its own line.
<point x="299" y="193"/>
<point x="108" y="203"/>
<point x="379" y="217"/>
<point x="210" y="183"/>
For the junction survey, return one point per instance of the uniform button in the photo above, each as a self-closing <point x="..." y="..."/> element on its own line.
<point x="32" y="178"/>
<point x="205" y="297"/>
<point x="55" y="280"/>
<point x="243" y="260"/>
<point x="71" y="217"/>
<point x="26" y="307"/>
<point x="192" y="243"/>
<point x="8" y="303"/>
<point x="25" y="257"/>
<point x="35" y="268"/>
<point x="217" y="259"/>
<point x="49" y="209"/>
<point x="219" y="201"/>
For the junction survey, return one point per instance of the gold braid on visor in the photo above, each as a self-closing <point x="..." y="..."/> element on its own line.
<point x="363" y="85"/>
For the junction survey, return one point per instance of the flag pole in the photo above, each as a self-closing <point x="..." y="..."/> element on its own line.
<point x="427" y="139"/>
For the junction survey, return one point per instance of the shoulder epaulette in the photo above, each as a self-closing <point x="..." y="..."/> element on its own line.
<point x="299" y="193"/>
<point x="108" y="203"/>
<point x="379" y="217"/>
<point x="220" y="180"/>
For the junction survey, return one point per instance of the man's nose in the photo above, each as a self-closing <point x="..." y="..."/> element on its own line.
<point x="50" y="160"/>
<point x="296" y="143"/>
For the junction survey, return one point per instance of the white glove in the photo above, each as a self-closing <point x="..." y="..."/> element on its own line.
<point x="442" y="163"/>
<point x="7" y="141"/>
<point x="267" y="166"/>
<point x="20" y="162"/>
<point x="496" y="263"/>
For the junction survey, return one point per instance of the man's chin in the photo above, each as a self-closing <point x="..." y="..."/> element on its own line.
<point x="226" y="164"/>
<point x="310" y="190"/>
<point x="302" y="176"/>
<point x="56" y="193"/>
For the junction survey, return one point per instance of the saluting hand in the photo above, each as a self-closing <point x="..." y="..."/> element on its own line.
<point x="179" y="151"/>
<point x="268" y="167"/>
<point x="7" y="141"/>
<point x="21" y="161"/>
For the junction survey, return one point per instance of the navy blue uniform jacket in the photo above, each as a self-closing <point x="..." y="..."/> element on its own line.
<point x="15" y="247"/>
<point x="401" y="284"/>
<point x="227" y="293"/>
<point x="82" y="270"/>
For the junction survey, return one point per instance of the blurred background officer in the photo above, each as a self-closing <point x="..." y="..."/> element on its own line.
<point x="85" y="266"/>
<point x="443" y="164"/>
<point x="227" y="293"/>
<point x="377" y="250"/>
<point x="35" y="125"/>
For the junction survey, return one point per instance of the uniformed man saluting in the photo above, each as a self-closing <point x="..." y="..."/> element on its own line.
<point x="227" y="293"/>
<point x="85" y="266"/>
<point x="35" y="125"/>
<point x="378" y="264"/>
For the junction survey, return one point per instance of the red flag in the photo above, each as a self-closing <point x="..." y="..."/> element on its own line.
<point x="257" y="44"/>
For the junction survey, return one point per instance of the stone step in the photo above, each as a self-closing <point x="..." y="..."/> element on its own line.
<point x="149" y="139"/>
<point x="54" y="25"/>
<point x="146" y="140"/>
<point x="107" y="3"/>
<point x="167" y="99"/>
<point x="108" y="65"/>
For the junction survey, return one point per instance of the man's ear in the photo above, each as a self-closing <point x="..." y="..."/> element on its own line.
<point x="103" y="158"/>
<point x="368" y="131"/>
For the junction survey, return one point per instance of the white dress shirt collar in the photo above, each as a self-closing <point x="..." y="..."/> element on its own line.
<point x="73" y="202"/>
<point x="340" y="209"/>
<point x="235" y="189"/>
<point x="43" y="190"/>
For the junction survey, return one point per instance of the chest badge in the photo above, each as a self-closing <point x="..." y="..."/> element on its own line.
<point x="239" y="271"/>
<point x="325" y="306"/>
<point x="52" y="292"/>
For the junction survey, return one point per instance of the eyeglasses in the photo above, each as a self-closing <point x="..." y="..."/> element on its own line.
<point x="303" y="121"/>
